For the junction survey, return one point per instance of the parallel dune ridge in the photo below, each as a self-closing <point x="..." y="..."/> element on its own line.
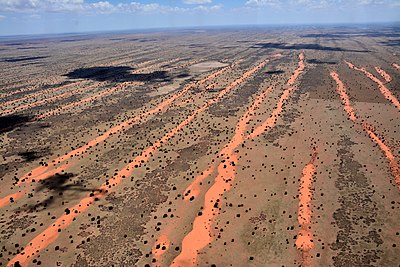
<point x="216" y="149"/>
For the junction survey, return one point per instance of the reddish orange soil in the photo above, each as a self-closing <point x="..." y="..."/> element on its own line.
<point x="384" y="74"/>
<point x="50" y="234"/>
<point x="46" y="100"/>
<point x="40" y="93"/>
<point x="43" y="172"/>
<point x="384" y="90"/>
<point x="393" y="164"/>
<point x="201" y="235"/>
<point x="304" y="241"/>
<point x="213" y="148"/>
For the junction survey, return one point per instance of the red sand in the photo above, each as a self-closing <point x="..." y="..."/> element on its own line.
<point x="298" y="71"/>
<point x="396" y="66"/>
<point x="200" y="236"/>
<point x="42" y="172"/>
<point x="40" y="176"/>
<point x="193" y="190"/>
<point x="50" y="234"/>
<point x="43" y="101"/>
<point x="41" y="93"/>
<point x="85" y="100"/>
<point x="384" y="74"/>
<point x="156" y="65"/>
<point x="393" y="164"/>
<point x="271" y="121"/>
<point x="384" y="90"/>
<point x="341" y="89"/>
<point x="304" y="241"/>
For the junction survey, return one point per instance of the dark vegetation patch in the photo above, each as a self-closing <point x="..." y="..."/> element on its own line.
<point x="345" y="35"/>
<point x="304" y="47"/>
<point x="72" y="40"/>
<point x="357" y="241"/>
<point x="317" y="82"/>
<point x="338" y="35"/>
<point x="391" y="42"/>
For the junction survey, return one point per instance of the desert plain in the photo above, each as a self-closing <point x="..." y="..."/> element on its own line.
<point x="275" y="146"/>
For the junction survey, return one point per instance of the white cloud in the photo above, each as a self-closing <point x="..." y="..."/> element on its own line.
<point x="40" y="5"/>
<point x="34" y="16"/>
<point x="101" y="6"/>
<point x="197" y="2"/>
<point x="260" y="3"/>
<point x="35" y="6"/>
<point x="318" y="4"/>
<point x="208" y="8"/>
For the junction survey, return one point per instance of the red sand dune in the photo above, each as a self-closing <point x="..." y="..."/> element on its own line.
<point x="16" y="84"/>
<point x="43" y="172"/>
<point x="304" y="241"/>
<point x="396" y="66"/>
<point x="117" y="62"/>
<point x="46" y="100"/>
<point x="191" y="99"/>
<point x="384" y="90"/>
<point x="85" y="100"/>
<point x="35" y="86"/>
<point x="271" y="121"/>
<point x="22" y="90"/>
<point x="81" y="89"/>
<point x="393" y="164"/>
<point x="182" y="65"/>
<point x="341" y="89"/>
<point x="384" y="74"/>
<point x="298" y="71"/>
<point x="40" y="176"/>
<point x="7" y="200"/>
<point x="50" y="234"/>
<point x="193" y="190"/>
<point x="200" y="236"/>
<point x="156" y="65"/>
<point x="41" y="93"/>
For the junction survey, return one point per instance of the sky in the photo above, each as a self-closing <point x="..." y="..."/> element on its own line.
<point x="69" y="16"/>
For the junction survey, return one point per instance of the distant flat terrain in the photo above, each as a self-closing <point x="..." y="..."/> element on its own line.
<point x="235" y="147"/>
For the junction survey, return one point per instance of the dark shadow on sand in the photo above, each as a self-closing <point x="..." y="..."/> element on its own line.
<point x="10" y="122"/>
<point x="274" y="72"/>
<point x="391" y="42"/>
<point x="57" y="185"/>
<point x="316" y="61"/>
<point x="117" y="74"/>
<point x="32" y="155"/>
<point x="19" y="59"/>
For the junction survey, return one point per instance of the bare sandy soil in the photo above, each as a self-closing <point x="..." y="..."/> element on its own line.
<point x="279" y="147"/>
